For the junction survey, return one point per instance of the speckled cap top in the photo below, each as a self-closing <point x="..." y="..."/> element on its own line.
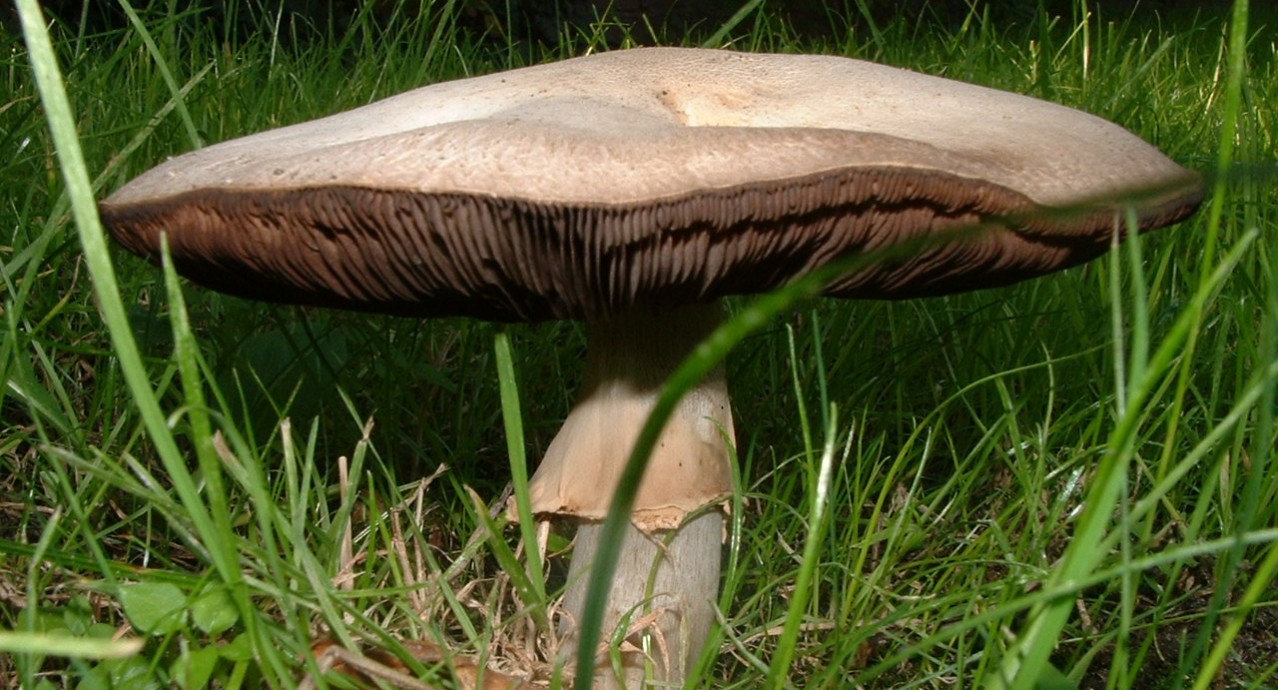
<point x="656" y="176"/>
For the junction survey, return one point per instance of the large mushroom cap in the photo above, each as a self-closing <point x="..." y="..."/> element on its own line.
<point x="655" y="176"/>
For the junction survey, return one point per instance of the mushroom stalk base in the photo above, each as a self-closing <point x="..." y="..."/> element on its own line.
<point x="660" y="606"/>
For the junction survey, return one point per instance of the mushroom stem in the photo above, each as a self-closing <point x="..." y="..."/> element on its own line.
<point x="662" y="596"/>
<point x="668" y="573"/>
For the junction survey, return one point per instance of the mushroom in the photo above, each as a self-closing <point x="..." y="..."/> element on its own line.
<point x="634" y="190"/>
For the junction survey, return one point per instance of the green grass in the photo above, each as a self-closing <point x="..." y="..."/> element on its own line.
<point x="1069" y="478"/>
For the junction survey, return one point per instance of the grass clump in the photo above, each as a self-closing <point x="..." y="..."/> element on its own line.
<point x="1070" y="478"/>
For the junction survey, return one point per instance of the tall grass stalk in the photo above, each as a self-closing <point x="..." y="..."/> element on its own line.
<point x="215" y="537"/>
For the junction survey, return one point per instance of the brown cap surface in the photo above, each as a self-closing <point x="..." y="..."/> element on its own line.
<point x="655" y="176"/>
